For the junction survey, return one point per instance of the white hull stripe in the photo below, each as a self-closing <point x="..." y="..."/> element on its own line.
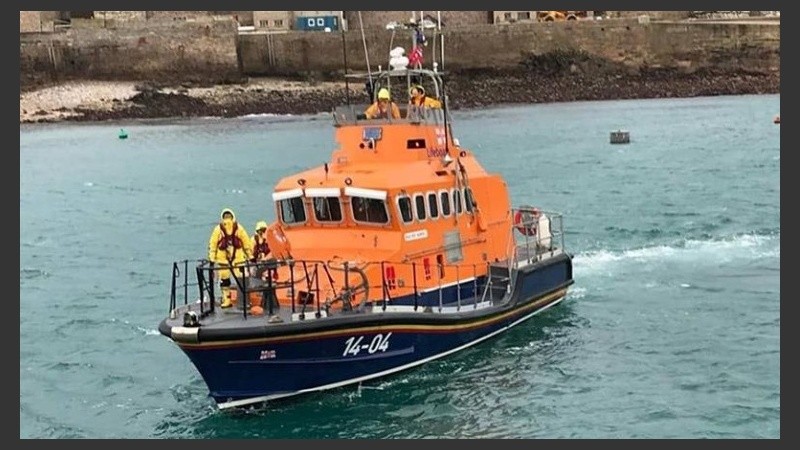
<point x="248" y="401"/>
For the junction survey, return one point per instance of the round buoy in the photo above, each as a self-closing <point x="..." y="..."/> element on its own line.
<point x="123" y="134"/>
<point x="526" y="220"/>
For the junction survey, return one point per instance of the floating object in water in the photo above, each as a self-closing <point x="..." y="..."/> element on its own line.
<point x="620" y="137"/>
<point x="777" y="119"/>
<point x="123" y="134"/>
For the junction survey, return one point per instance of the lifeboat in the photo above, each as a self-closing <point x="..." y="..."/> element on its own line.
<point x="400" y="250"/>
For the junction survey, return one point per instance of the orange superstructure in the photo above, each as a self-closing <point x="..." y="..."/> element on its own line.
<point x="401" y="192"/>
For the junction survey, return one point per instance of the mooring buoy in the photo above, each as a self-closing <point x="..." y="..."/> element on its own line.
<point x="620" y="137"/>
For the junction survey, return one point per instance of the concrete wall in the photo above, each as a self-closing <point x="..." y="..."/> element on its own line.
<point x="686" y="45"/>
<point x="206" y="50"/>
<point x="139" y="50"/>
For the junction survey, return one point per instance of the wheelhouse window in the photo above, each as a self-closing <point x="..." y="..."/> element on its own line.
<point x="369" y="210"/>
<point x="459" y="206"/>
<point x="419" y="205"/>
<point x="293" y="210"/>
<point x="445" y="197"/>
<point x="327" y="209"/>
<point x="404" y="206"/>
<point x="433" y="205"/>
<point x="468" y="199"/>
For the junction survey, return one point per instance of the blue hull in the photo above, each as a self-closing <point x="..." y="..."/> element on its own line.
<point x="244" y="371"/>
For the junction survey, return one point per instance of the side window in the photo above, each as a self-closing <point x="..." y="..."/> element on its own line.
<point x="468" y="199"/>
<point x="433" y="205"/>
<point x="293" y="210"/>
<point x="404" y="205"/>
<point x="457" y="203"/>
<point x="369" y="210"/>
<point x="419" y="205"/>
<point x="327" y="209"/>
<point x="445" y="197"/>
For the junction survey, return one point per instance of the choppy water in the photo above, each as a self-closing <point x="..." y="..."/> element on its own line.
<point x="671" y="329"/>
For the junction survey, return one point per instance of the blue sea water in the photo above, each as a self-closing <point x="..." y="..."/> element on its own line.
<point x="672" y="328"/>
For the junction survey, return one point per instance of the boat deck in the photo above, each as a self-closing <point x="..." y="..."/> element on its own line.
<point x="235" y="317"/>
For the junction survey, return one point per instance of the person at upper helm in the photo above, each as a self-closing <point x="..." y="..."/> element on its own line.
<point x="418" y="98"/>
<point x="228" y="246"/>
<point x="383" y="107"/>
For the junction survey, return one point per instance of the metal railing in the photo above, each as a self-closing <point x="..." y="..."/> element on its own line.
<point x="537" y="235"/>
<point x="306" y="282"/>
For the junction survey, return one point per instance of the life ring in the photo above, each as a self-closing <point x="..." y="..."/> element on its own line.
<point x="525" y="220"/>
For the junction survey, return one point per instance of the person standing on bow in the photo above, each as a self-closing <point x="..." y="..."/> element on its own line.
<point x="259" y="253"/>
<point x="260" y="249"/>
<point x="228" y="246"/>
<point x="418" y="98"/>
<point x="383" y="108"/>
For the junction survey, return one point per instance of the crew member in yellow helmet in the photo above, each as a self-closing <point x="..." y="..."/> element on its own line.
<point x="383" y="107"/>
<point x="260" y="249"/>
<point x="228" y="246"/>
<point x="418" y="98"/>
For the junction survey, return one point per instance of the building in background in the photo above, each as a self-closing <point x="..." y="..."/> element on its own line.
<point x="298" y="20"/>
<point x="272" y="20"/>
<point x="513" y="16"/>
<point x="40" y="21"/>
<point x="452" y="19"/>
<point x="318" y="20"/>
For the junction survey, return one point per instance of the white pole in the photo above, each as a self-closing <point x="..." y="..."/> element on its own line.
<point x="439" y="25"/>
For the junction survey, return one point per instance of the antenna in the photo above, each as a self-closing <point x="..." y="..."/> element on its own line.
<point x="366" y="55"/>
<point x="441" y="36"/>
<point x="444" y="92"/>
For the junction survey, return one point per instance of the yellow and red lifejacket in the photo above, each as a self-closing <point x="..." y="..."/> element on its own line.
<point x="229" y="240"/>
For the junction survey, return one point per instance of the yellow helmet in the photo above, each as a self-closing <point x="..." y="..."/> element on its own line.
<point x="261" y="225"/>
<point x="383" y="94"/>
<point x="227" y="211"/>
<point x="418" y="87"/>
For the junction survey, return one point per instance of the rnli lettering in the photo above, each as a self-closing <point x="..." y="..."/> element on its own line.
<point x="353" y="345"/>
<point x="267" y="354"/>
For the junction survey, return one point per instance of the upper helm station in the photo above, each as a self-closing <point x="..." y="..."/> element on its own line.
<point x="390" y="175"/>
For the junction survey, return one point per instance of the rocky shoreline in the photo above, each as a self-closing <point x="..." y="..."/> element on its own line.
<point x="534" y="83"/>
